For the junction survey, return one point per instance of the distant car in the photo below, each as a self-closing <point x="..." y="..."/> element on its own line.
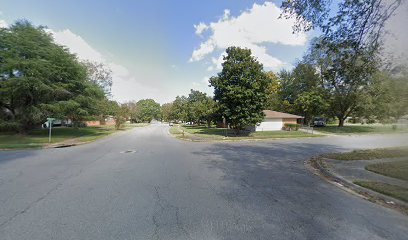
<point x="170" y="124"/>
<point x="319" y="122"/>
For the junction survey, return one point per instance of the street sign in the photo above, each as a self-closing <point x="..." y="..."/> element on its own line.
<point x="50" y="126"/>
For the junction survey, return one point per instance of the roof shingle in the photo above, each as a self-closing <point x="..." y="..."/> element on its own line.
<point x="274" y="114"/>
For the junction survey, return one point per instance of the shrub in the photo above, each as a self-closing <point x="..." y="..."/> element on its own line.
<point x="10" y="126"/>
<point x="291" y="126"/>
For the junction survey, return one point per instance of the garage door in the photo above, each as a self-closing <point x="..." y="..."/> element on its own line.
<point x="270" y="125"/>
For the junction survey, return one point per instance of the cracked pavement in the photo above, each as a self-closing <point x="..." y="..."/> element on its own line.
<point x="145" y="184"/>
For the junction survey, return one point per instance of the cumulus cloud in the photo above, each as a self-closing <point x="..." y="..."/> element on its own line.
<point x="77" y="45"/>
<point x="253" y="29"/>
<point x="3" y="24"/>
<point x="125" y="85"/>
<point x="203" y="86"/>
<point x="200" y="28"/>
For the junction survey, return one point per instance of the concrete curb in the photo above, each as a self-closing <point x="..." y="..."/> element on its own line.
<point x="318" y="166"/>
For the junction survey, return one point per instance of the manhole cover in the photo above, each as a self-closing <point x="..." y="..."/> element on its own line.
<point x="128" y="151"/>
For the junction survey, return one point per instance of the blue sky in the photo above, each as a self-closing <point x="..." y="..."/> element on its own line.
<point x="160" y="49"/>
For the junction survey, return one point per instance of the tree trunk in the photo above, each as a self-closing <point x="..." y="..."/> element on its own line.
<point x="341" y="122"/>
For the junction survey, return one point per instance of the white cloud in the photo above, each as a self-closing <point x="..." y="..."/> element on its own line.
<point x="200" y="28"/>
<point x="77" y="45"/>
<point x="3" y="24"/>
<point x="126" y="86"/>
<point x="253" y="29"/>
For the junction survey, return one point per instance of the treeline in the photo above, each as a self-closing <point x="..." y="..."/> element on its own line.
<point x="243" y="89"/>
<point x="196" y="108"/>
<point x="40" y="79"/>
<point x="305" y="91"/>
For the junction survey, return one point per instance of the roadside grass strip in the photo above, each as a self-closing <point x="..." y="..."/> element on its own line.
<point x="384" y="188"/>
<point x="362" y="129"/>
<point x="222" y="133"/>
<point x="38" y="138"/>
<point x="397" y="169"/>
<point x="369" y="154"/>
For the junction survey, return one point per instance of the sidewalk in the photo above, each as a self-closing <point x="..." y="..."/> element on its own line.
<point x="342" y="173"/>
<point x="352" y="170"/>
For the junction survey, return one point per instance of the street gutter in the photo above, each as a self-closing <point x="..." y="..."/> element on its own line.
<point x="318" y="166"/>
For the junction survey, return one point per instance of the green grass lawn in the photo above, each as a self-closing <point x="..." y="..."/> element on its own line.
<point x="220" y="133"/>
<point x="361" y="129"/>
<point x="39" y="137"/>
<point x="369" y="154"/>
<point x="387" y="189"/>
<point x="397" y="169"/>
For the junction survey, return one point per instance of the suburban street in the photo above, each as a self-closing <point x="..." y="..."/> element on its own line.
<point x="145" y="184"/>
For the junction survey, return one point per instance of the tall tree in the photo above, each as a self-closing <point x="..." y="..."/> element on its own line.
<point x="39" y="78"/>
<point x="167" y="112"/>
<point x="100" y="75"/>
<point x="348" y="47"/>
<point x="180" y="109"/>
<point x="147" y="110"/>
<point x="200" y="107"/>
<point x="273" y="101"/>
<point x="240" y="89"/>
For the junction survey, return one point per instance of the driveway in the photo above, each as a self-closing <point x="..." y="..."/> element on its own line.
<point x="145" y="184"/>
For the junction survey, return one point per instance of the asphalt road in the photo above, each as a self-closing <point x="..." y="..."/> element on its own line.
<point x="145" y="184"/>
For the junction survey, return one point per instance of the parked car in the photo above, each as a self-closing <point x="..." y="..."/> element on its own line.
<point x="319" y="122"/>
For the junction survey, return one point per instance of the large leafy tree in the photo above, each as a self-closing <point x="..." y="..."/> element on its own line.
<point x="387" y="98"/>
<point x="39" y="78"/>
<point x="240" y="89"/>
<point x="273" y="100"/>
<point x="146" y="110"/>
<point x="180" y="109"/>
<point x="167" y="112"/>
<point x="348" y="48"/>
<point x="297" y="91"/>
<point x="311" y="104"/>
<point x="100" y="75"/>
<point x="346" y="75"/>
<point x="200" y="107"/>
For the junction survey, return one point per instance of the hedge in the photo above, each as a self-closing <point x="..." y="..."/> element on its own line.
<point x="291" y="126"/>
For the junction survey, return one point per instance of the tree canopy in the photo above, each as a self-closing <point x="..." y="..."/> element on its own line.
<point x="39" y="78"/>
<point x="346" y="53"/>
<point x="240" y="88"/>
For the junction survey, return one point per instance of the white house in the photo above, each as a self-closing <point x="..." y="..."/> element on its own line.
<point x="275" y="121"/>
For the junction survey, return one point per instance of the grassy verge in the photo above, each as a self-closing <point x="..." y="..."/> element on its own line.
<point x="361" y="129"/>
<point x="387" y="189"/>
<point x="398" y="169"/>
<point x="175" y="130"/>
<point x="221" y="133"/>
<point x="369" y="154"/>
<point x="39" y="137"/>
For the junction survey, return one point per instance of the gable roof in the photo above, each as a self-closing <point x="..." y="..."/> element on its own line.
<point x="274" y="114"/>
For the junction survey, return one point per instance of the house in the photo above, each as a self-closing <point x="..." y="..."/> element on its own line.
<point x="109" y="121"/>
<point x="275" y="121"/>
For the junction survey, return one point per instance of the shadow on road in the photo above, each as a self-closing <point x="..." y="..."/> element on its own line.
<point x="6" y="156"/>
